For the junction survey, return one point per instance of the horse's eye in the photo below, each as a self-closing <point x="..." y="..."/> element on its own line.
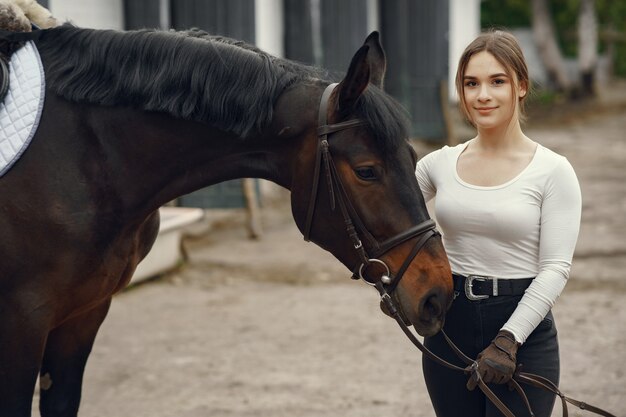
<point x="366" y="173"/>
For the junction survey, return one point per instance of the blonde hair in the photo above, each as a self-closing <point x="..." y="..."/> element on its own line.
<point x="506" y="50"/>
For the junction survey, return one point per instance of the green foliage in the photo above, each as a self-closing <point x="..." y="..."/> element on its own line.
<point x="506" y="13"/>
<point x="517" y="13"/>
<point x="612" y="16"/>
<point x="543" y="98"/>
<point x="565" y="17"/>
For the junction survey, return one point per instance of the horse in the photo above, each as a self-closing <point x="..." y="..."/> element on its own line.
<point x="134" y="119"/>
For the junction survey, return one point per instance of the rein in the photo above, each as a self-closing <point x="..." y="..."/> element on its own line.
<point x="369" y="252"/>
<point x="472" y="369"/>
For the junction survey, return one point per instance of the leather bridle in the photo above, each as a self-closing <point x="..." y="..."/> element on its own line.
<point x="367" y="247"/>
<point x="388" y="282"/>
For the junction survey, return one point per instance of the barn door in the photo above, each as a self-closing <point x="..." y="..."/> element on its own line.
<point x="232" y="18"/>
<point x="414" y="35"/>
<point x="325" y="33"/>
<point x="140" y="14"/>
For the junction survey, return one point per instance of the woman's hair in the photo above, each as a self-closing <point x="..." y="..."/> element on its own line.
<point x="506" y="50"/>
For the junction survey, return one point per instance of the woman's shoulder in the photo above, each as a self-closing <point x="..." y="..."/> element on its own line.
<point x="438" y="164"/>
<point x="446" y="151"/>
<point x="548" y="153"/>
<point x="549" y="158"/>
<point x="555" y="167"/>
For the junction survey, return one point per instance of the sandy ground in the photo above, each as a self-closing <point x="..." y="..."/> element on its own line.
<point x="276" y="328"/>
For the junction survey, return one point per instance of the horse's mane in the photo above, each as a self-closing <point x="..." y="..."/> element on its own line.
<point x="191" y="75"/>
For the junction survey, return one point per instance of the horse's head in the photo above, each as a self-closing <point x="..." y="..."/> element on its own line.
<point x="353" y="183"/>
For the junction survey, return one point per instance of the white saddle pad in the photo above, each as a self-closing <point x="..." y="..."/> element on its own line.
<point x="21" y="109"/>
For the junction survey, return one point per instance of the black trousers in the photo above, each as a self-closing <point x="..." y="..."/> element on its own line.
<point x="472" y="325"/>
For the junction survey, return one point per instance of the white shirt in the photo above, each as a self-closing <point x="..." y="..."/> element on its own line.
<point x="526" y="227"/>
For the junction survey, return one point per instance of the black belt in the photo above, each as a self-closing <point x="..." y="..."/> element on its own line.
<point x="478" y="287"/>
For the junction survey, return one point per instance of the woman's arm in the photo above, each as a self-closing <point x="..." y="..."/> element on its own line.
<point x="424" y="174"/>
<point x="560" y="223"/>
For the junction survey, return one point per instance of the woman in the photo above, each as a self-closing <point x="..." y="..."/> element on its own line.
<point x="509" y="210"/>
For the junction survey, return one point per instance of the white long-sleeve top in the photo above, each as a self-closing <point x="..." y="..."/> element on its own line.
<point x="526" y="227"/>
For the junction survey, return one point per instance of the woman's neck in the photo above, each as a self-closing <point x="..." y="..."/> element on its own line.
<point x="501" y="138"/>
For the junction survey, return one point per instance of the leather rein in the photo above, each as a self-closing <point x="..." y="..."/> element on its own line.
<point x="472" y="370"/>
<point x="388" y="282"/>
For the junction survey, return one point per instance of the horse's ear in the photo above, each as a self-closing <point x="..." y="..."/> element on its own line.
<point x="355" y="81"/>
<point x="377" y="60"/>
<point x="368" y="66"/>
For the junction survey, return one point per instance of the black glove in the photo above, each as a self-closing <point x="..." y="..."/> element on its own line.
<point x="496" y="364"/>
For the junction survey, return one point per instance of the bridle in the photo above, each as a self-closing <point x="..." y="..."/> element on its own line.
<point x="367" y="247"/>
<point x="370" y="252"/>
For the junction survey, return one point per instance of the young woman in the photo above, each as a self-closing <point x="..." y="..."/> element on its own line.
<point x="509" y="210"/>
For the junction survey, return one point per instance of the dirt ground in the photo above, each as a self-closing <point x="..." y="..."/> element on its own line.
<point x="275" y="327"/>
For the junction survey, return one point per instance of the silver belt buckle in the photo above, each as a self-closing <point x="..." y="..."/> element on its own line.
<point x="469" y="283"/>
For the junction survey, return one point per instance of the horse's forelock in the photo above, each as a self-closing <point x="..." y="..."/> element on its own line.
<point x="388" y="121"/>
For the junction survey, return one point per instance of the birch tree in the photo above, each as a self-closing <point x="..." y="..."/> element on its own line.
<point x="544" y="35"/>
<point x="587" y="45"/>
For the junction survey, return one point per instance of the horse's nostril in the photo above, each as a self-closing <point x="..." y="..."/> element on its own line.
<point x="429" y="314"/>
<point x="432" y="306"/>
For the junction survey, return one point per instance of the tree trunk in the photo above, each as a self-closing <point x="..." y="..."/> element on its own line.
<point x="547" y="46"/>
<point x="587" y="45"/>
<point x="252" y="209"/>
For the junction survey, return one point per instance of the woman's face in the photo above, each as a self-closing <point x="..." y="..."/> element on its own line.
<point x="491" y="96"/>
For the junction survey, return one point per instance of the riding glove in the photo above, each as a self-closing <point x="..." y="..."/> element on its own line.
<point x="496" y="364"/>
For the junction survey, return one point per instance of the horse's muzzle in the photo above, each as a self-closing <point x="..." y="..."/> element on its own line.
<point x="427" y="317"/>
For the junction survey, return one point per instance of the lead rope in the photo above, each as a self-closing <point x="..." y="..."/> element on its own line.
<point x="474" y="369"/>
<point x="541" y="382"/>
<point x="392" y="309"/>
<point x="537" y="381"/>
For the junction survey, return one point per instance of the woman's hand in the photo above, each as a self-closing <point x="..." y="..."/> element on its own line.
<point x="496" y="364"/>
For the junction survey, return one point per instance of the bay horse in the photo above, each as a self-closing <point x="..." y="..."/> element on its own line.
<point x="133" y="120"/>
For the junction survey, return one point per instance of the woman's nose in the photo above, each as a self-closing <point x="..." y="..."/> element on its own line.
<point x="483" y="93"/>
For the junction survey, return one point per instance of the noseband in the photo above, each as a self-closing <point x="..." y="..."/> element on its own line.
<point x="369" y="252"/>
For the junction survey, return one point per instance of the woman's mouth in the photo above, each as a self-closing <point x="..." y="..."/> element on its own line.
<point x="485" y="110"/>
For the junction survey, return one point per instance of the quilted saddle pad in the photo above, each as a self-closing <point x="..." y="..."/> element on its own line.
<point x="21" y="110"/>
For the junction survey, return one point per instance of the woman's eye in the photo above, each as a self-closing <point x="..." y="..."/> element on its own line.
<point x="366" y="173"/>
<point x="498" y="81"/>
<point x="470" y="84"/>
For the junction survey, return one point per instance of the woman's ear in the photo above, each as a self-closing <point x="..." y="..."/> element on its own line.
<point x="522" y="89"/>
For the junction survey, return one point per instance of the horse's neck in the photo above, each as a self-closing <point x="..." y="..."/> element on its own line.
<point x="164" y="158"/>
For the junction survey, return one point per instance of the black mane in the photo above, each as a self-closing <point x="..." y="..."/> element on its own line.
<point x="191" y="75"/>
